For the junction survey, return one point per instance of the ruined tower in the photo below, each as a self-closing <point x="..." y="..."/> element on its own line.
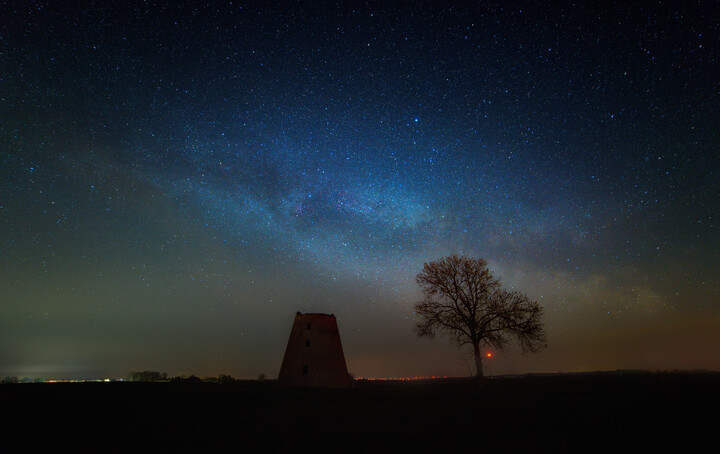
<point x="314" y="354"/>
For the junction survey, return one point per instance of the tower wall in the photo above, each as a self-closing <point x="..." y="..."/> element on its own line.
<point x="314" y="354"/>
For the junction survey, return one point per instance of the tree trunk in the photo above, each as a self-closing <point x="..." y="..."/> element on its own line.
<point x="478" y="360"/>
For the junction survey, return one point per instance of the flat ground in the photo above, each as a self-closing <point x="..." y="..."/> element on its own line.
<point x="573" y="413"/>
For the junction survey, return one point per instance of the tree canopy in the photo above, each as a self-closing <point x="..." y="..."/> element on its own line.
<point x="463" y="300"/>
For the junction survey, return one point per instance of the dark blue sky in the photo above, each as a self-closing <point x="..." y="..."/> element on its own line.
<point x="176" y="182"/>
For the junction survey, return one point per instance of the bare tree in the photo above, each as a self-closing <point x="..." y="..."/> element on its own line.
<point x="464" y="301"/>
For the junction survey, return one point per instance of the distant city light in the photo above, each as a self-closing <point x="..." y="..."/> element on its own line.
<point x="429" y="377"/>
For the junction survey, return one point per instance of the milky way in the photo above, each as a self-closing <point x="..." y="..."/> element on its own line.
<point x="177" y="182"/>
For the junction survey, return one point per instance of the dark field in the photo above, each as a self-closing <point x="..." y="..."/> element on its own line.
<point x="610" y="412"/>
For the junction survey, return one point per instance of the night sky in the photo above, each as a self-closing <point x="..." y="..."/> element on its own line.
<point x="176" y="182"/>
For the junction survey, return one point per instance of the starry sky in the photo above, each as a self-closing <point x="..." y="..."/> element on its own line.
<point x="177" y="181"/>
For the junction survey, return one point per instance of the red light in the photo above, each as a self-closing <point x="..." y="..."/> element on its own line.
<point x="488" y="354"/>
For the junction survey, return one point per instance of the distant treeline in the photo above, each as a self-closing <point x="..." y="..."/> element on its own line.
<point x="147" y="375"/>
<point x="22" y="380"/>
<point x="153" y="376"/>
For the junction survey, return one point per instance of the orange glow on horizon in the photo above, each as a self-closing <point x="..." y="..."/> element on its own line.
<point x="429" y="377"/>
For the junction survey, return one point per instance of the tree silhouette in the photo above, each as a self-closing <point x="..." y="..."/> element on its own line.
<point x="464" y="301"/>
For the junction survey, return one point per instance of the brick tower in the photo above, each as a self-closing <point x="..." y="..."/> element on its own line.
<point x="314" y="354"/>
